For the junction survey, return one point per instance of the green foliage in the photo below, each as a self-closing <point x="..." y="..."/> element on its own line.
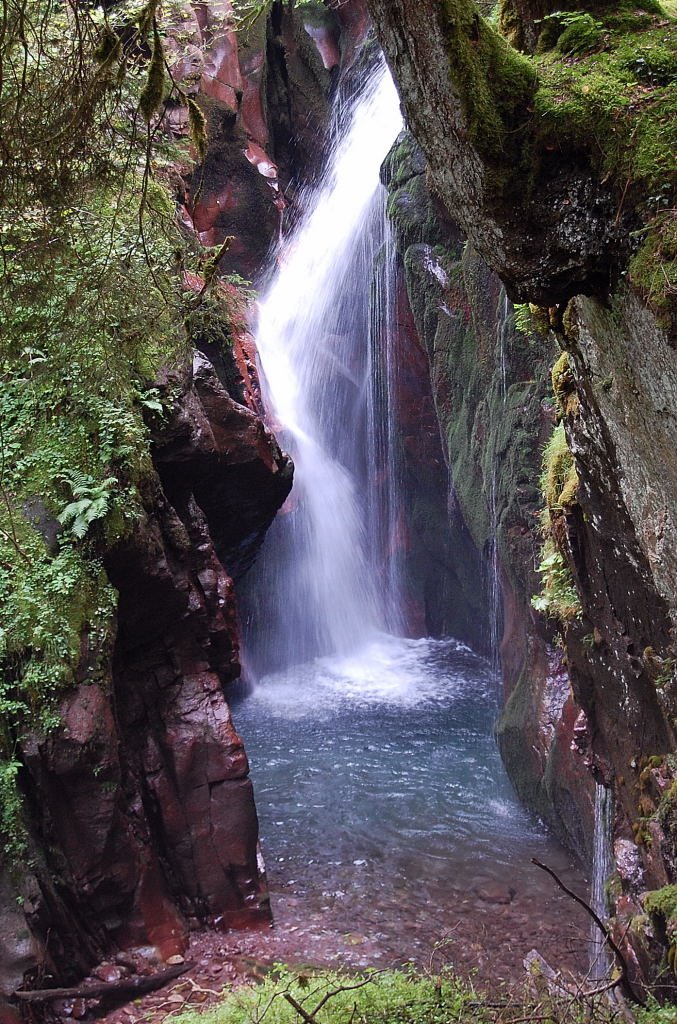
<point x="11" y="815"/>
<point x="571" y="32"/>
<point x="92" y="500"/>
<point x="653" y="1013"/>
<point x="248" y="12"/>
<point x="495" y="83"/>
<point x="531" y="319"/>
<point x="558" y="597"/>
<point x="523" y="318"/>
<point x="91" y="307"/>
<point x="390" y="997"/>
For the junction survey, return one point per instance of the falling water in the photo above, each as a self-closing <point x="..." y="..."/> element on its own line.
<point x="503" y="327"/>
<point x="602" y="866"/>
<point x="380" y="788"/>
<point x="319" y="594"/>
<point x="494" y="589"/>
<point x="385" y="514"/>
<point x="493" y="577"/>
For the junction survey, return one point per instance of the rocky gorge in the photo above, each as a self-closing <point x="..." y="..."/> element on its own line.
<point x="533" y="314"/>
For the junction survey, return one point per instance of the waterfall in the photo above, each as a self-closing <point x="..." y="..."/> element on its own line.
<point x="318" y="593"/>
<point x="380" y="789"/>
<point x="385" y="515"/>
<point x="494" y="589"/>
<point x="493" y="574"/>
<point x="602" y="865"/>
<point x="503" y="328"/>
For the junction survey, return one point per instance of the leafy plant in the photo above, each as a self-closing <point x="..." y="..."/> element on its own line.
<point x="330" y="997"/>
<point x="288" y="996"/>
<point x="558" y="596"/>
<point x="92" y="501"/>
<point x="11" y="818"/>
<point x="523" y="318"/>
<point x="150" y="400"/>
<point x="572" y="31"/>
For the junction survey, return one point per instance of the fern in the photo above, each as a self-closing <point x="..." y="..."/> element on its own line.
<point x="92" y="502"/>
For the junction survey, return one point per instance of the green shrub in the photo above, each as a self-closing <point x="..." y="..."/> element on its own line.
<point x="390" y="997"/>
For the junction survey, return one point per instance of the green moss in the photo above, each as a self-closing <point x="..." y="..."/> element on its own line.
<point x="87" y="323"/>
<point x="654" y="1013"/>
<point x="89" y="316"/>
<point x="578" y="38"/>
<point x="599" y="103"/>
<point x="558" y="597"/>
<point x="315" y="13"/>
<point x="615" y="109"/>
<point x="580" y="35"/>
<point x="562" y="381"/>
<point x="616" y="106"/>
<point x="559" y="481"/>
<point x="662" y="902"/>
<point x="653" y="269"/>
<point x="495" y="83"/>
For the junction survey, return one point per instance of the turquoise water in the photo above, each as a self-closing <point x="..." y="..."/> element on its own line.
<point x="385" y="811"/>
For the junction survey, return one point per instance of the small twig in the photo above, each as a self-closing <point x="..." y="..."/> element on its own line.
<point x="602" y="988"/>
<point x="307" y="1017"/>
<point x="210" y="271"/>
<point x="624" y="979"/>
<point x="527" y="1020"/>
<point x="620" y="208"/>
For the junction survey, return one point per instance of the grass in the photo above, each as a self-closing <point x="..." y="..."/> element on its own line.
<point x="398" y="997"/>
<point x="391" y="997"/>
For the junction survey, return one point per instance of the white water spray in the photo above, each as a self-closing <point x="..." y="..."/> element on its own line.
<point x="320" y="588"/>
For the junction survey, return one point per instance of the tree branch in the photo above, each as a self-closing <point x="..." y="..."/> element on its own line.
<point x="624" y="980"/>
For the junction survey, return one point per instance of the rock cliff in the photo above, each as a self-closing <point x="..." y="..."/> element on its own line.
<point x="142" y="819"/>
<point x="491" y="385"/>
<point x="556" y="229"/>
<point x="137" y="820"/>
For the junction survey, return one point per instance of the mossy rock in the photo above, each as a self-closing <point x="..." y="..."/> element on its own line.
<point x="662" y="902"/>
<point x="495" y="83"/>
<point x="653" y="269"/>
<point x="581" y="35"/>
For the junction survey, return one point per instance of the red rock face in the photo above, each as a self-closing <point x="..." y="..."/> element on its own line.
<point x="141" y="800"/>
<point x="355" y="24"/>
<point x="266" y="106"/>
<point x="420" y="537"/>
<point x="177" y="647"/>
